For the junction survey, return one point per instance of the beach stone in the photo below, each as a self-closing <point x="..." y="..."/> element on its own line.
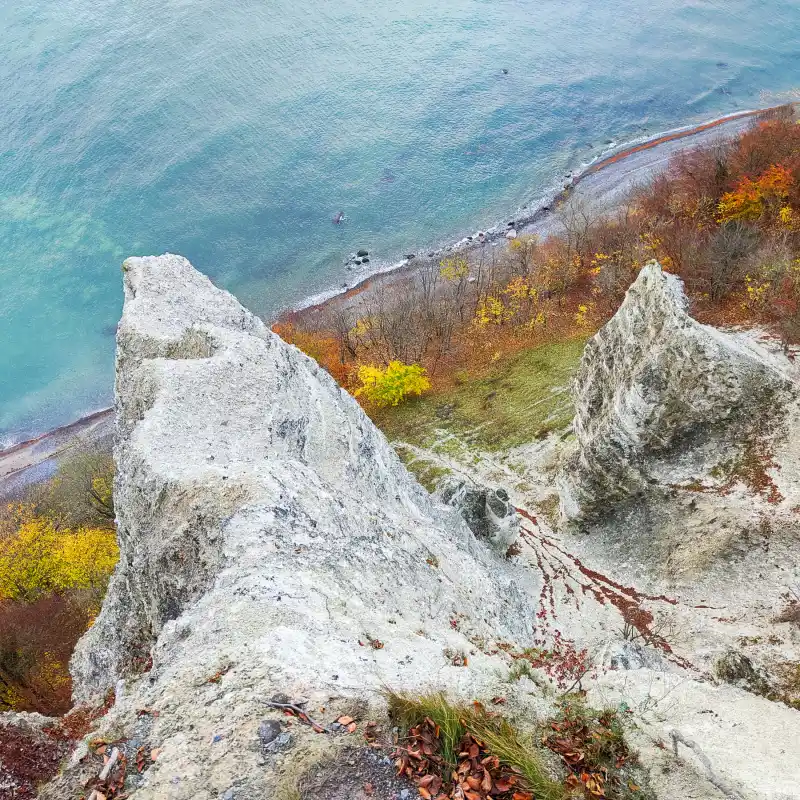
<point x="362" y="253"/>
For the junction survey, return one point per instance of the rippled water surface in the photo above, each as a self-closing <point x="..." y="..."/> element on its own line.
<point x="232" y="132"/>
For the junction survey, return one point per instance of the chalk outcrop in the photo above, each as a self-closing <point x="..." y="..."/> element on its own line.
<point x="655" y="383"/>
<point x="271" y="542"/>
<point x="488" y="512"/>
<point x="274" y="548"/>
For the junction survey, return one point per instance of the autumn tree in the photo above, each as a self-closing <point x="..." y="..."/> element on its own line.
<point x="39" y="558"/>
<point x="390" y="385"/>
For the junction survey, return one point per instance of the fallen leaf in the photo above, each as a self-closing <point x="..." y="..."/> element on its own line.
<point x="154" y="754"/>
<point x="633" y="787"/>
<point x="499" y="701"/>
<point x="344" y="720"/>
<point x="351" y="727"/>
<point x="369" y="789"/>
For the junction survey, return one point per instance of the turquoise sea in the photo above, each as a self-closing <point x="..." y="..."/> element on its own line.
<point x="232" y="132"/>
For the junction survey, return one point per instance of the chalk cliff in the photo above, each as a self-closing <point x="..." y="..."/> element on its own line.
<point x="660" y="398"/>
<point x="269" y="537"/>
<point x="274" y="548"/>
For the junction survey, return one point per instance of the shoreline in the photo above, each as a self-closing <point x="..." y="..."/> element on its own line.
<point x="522" y="222"/>
<point x="38" y="450"/>
<point x="25" y="462"/>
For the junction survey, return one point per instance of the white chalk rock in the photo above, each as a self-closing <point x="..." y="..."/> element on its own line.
<point x="268" y="533"/>
<point x="651" y="379"/>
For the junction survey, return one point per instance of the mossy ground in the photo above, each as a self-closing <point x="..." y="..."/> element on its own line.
<point x="521" y="398"/>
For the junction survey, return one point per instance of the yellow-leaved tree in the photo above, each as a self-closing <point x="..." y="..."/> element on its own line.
<point x="38" y="558"/>
<point x="391" y="385"/>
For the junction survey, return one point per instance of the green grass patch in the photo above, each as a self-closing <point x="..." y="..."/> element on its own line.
<point x="522" y="398"/>
<point x="427" y="473"/>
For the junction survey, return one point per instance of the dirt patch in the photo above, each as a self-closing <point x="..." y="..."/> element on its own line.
<point x="357" y="774"/>
<point x="28" y="758"/>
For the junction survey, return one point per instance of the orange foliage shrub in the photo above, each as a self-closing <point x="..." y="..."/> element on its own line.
<point x="36" y="642"/>
<point x="325" y="350"/>
<point x="752" y="199"/>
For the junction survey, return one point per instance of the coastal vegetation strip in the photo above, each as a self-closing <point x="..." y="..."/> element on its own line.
<point x="725" y="218"/>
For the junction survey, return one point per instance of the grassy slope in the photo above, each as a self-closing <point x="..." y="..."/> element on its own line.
<point x="522" y="398"/>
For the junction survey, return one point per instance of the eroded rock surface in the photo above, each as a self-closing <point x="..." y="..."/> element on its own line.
<point x="660" y="398"/>
<point x="274" y="549"/>
<point x="271" y="540"/>
<point x="488" y="512"/>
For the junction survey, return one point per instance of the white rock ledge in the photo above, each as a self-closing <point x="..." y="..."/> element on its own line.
<point x="267" y="530"/>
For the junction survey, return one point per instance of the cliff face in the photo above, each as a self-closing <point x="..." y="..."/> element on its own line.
<point x="661" y="399"/>
<point x="272" y="544"/>
<point x="270" y="533"/>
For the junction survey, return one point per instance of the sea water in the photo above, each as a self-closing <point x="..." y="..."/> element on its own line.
<point x="232" y="132"/>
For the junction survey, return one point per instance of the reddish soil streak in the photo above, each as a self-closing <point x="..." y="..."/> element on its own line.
<point x="555" y="563"/>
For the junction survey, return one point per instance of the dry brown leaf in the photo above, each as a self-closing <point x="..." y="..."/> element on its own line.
<point x="344" y="720"/>
<point x="155" y="753"/>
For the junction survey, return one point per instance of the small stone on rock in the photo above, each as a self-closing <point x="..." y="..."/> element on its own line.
<point x="268" y="731"/>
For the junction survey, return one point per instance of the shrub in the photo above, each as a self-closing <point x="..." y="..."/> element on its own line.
<point x="453" y="739"/>
<point x="39" y="558"/>
<point x="392" y="385"/>
<point x="36" y="642"/>
<point x="81" y="491"/>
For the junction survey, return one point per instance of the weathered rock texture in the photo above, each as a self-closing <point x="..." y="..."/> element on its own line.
<point x="488" y="512"/>
<point x="271" y="541"/>
<point x="652" y="383"/>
